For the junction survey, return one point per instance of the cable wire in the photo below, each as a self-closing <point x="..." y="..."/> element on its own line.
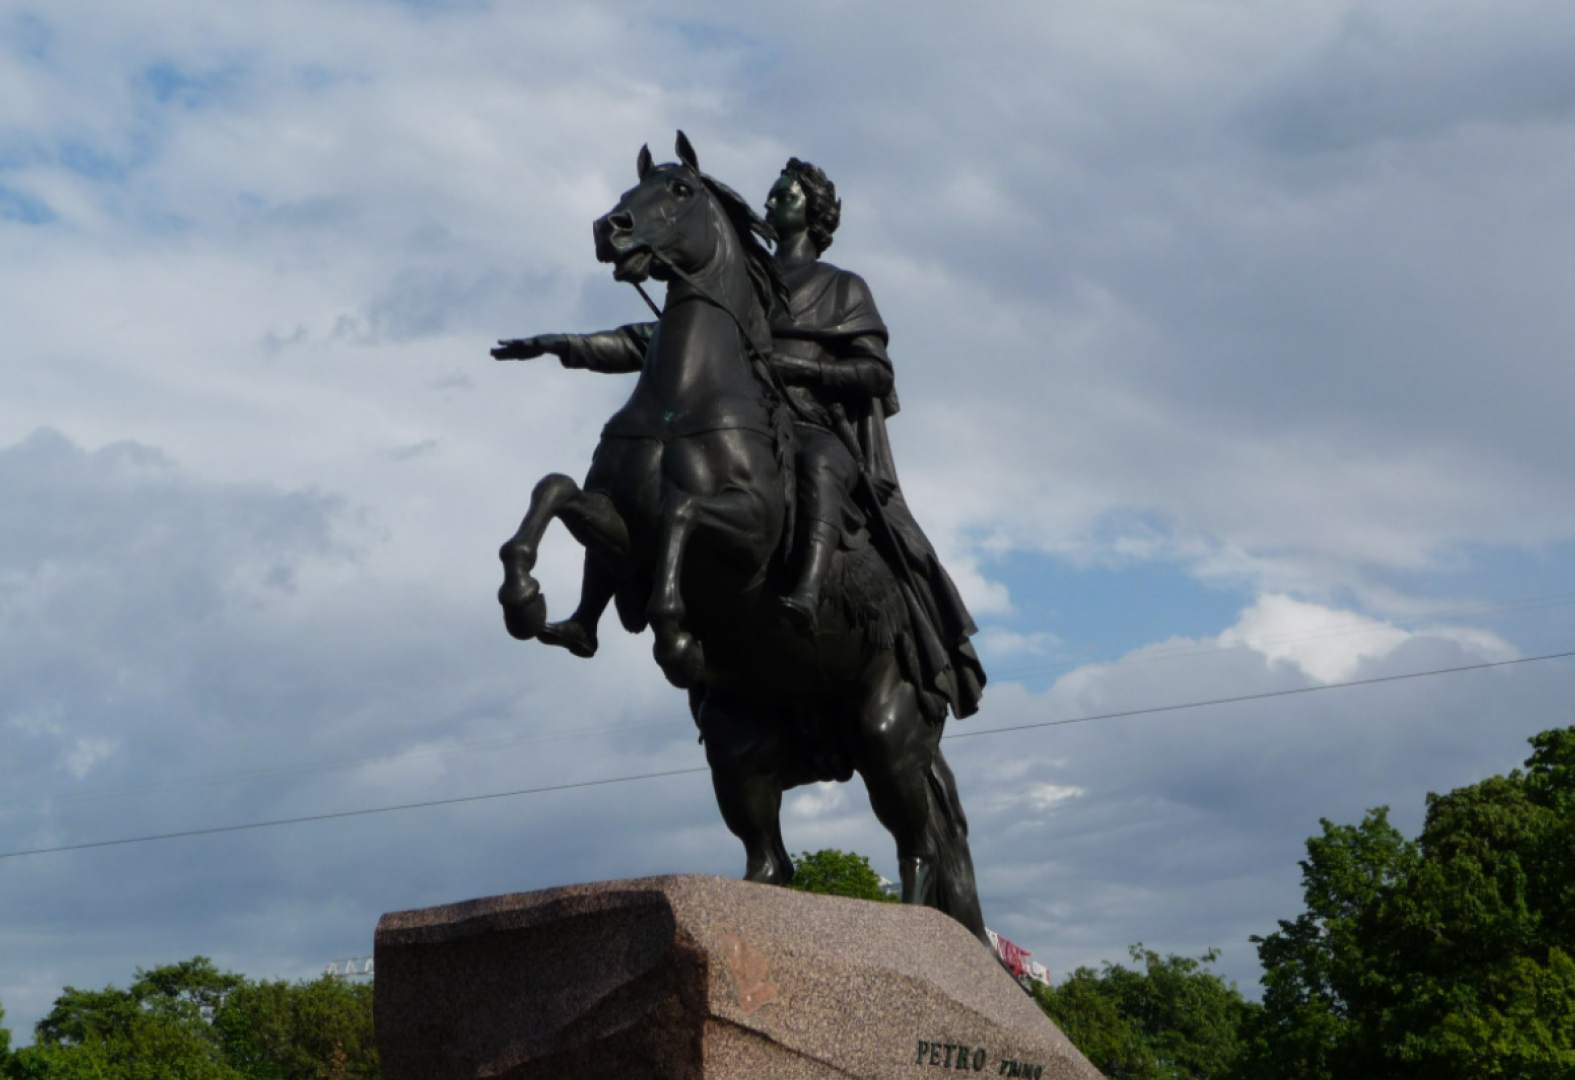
<point x="702" y="768"/>
<point x="350" y="813"/>
<point x="1151" y="655"/>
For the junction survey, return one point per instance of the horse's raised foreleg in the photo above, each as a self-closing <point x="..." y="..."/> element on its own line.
<point x="593" y="520"/>
<point x="737" y="516"/>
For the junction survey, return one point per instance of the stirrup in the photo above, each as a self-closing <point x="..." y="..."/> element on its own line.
<point x="803" y="613"/>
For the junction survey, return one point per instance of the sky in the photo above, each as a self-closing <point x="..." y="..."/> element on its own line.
<point x="1232" y="340"/>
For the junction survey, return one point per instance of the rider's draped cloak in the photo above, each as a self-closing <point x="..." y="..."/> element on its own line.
<point x="832" y="308"/>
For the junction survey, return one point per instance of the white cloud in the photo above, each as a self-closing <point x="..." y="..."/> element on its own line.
<point x="817" y="801"/>
<point x="1327" y="645"/>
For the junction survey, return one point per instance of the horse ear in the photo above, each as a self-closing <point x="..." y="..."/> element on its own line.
<point x="686" y="152"/>
<point x="643" y="164"/>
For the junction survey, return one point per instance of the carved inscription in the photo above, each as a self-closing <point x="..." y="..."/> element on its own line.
<point x="947" y="1055"/>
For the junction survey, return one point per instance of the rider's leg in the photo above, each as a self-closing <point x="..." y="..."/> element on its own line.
<point x="826" y="475"/>
<point x="803" y="603"/>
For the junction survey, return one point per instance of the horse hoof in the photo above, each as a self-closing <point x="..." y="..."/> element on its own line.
<point x="682" y="659"/>
<point x="525" y="620"/>
<point x="569" y="635"/>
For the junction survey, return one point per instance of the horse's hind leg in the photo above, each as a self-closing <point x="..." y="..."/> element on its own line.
<point x="892" y="747"/>
<point x="956" y="889"/>
<point x="593" y="520"/>
<point x="743" y="752"/>
<point x="912" y="790"/>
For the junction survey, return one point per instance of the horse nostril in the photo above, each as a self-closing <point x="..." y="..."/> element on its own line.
<point x="622" y="221"/>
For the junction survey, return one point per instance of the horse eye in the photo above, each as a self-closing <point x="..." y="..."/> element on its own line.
<point x="681" y="189"/>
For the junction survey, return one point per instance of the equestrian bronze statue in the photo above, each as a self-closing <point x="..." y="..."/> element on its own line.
<point x="744" y="505"/>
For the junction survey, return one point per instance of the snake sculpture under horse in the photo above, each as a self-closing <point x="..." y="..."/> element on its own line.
<point x="686" y="505"/>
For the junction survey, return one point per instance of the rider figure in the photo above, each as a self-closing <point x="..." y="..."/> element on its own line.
<point x="829" y="351"/>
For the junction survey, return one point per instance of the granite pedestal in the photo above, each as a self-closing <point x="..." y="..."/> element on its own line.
<point x="700" y="978"/>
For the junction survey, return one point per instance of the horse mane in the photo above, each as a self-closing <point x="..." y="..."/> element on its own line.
<point x="771" y="292"/>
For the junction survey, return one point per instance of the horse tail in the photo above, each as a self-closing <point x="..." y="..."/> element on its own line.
<point x="955" y="891"/>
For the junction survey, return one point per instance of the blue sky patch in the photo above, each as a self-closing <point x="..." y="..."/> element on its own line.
<point x="91" y="162"/>
<point x="23" y="208"/>
<point x="1524" y="594"/>
<point x="711" y="38"/>
<point x="29" y="35"/>
<point x="1103" y="612"/>
<point x="442" y="7"/>
<point x="171" y="85"/>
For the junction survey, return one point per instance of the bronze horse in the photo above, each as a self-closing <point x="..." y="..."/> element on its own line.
<point x="686" y="507"/>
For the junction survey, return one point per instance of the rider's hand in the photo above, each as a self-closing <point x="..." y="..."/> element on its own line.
<point x="797" y="370"/>
<point x="532" y="347"/>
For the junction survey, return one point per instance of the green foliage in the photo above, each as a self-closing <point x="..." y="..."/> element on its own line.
<point x="838" y="873"/>
<point x="300" y="1031"/>
<point x="159" y="1029"/>
<point x="190" y="1021"/>
<point x="1171" y="1020"/>
<point x="1448" y="957"/>
<point x="5" y="1041"/>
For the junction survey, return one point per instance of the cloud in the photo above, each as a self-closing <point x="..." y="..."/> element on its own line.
<point x="1326" y="645"/>
<point x="1270" y="297"/>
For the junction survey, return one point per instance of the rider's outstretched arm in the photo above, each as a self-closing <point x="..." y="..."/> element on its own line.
<point x="609" y="351"/>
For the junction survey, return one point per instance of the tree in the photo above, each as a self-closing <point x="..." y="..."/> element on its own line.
<point x="838" y="873"/>
<point x="158" y="1029"/>
<point x="300" y="1031"/>
<point x="191" y="1021"/>
<point x="5" y="1041"/>
<point x="1171" y="1020"/>
<point x="1448" y="957"/>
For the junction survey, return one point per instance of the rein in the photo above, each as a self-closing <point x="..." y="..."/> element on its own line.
<point x="843" y="429"/>
<point x="768" y="373"/>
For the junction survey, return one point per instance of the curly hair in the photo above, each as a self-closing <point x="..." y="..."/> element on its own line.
<point x="822" y="208"/>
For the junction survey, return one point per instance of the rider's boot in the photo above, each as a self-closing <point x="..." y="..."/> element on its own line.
<point x="803" y="603"/>
<point x="577" y="633"/>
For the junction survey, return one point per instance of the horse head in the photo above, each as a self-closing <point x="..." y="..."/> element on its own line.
<point x="678" y="218"/>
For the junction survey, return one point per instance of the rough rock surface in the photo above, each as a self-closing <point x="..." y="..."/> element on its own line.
<point x="699" y="978"/>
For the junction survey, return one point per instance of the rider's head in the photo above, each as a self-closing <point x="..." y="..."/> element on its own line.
<point x="822" y="209"/>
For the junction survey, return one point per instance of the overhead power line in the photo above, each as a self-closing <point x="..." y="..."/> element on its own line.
<point x="1261" y="642"/>
<point x="1151" y="655"/>
<point x="701" y="768"/>
<point x="349" y="813"/>
<point x="1263" y="695"/>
